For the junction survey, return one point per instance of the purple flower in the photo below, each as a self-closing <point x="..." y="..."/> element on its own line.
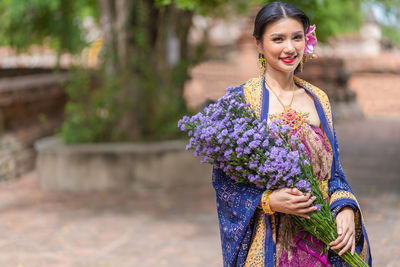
<point x="252" y="165"/>
<point x="238" y="168"/>
<point x="249" y="133"/>
<point x="254" y="144"/>
<point x="247" y="150"/>
<point x="318" y="207"/>
<point x="242" y="140"/>
<point x="265" y="143"/>
<point x="253" y="177"/>
<point x="302" y="184"/>
<point x="274" y="152"/>
<point x="228" y="152"/>
<point x="279" y="142"/>
<point x="285" y="128"/>
<point x="257" y="136"/>
<point x="293" y="156"/>
<point x="229" y="126"/>
<point x="273" y="128"/>
<point x="261" y="169"/>
<point x="204" y="159"/>
<point x="293" y="139"/>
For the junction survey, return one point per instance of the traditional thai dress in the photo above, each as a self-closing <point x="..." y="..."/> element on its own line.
<point x="251" y="238"/>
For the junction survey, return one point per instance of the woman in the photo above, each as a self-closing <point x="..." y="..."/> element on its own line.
<point x="253" y="226"/>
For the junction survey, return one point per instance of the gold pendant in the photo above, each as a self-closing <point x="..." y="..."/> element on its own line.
<point x="291" y="117"/>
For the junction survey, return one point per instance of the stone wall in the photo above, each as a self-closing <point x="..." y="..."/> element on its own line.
<point x="31" y="107"/>
<point x="141" y="167"/>
<point x="17" y="72"/>
<point x="331" y="75"/>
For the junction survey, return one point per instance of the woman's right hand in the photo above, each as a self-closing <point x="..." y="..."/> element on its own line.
<point x="292" y="201"/>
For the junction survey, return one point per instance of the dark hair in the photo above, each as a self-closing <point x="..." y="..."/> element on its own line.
<point x="274" y="11"/>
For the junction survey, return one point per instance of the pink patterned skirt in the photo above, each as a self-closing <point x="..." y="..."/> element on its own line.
<point x="308" y="250"/>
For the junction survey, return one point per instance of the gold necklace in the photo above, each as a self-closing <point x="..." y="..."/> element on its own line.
<point x="284" y="106"/>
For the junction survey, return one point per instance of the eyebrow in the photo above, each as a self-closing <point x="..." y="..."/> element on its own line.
<point x="280" y="34"/>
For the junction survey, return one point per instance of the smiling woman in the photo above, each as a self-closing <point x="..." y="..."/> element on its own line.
<point x="283" y="41"/>
<point x="255" y="228"/>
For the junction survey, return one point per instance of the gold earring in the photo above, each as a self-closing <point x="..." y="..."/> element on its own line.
<point x="301" y="65"/>
<point x="303" y="60"/>
<point x="261" y="65"/>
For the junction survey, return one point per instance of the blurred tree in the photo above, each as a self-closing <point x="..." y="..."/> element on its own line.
<point x="28" y="22"/>
<point x="146" y="55"/>
<point x="389" y="19"/>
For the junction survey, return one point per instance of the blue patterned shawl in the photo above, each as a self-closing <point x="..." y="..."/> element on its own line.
<point x="236" y="203"/>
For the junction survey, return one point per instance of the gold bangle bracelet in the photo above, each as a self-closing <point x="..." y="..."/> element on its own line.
<point x="265" y="203"/>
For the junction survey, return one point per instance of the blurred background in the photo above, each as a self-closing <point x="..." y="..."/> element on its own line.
<point x="93" y="170"/>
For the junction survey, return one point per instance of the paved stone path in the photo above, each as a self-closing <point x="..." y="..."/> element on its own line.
<point x="181" y="228"/>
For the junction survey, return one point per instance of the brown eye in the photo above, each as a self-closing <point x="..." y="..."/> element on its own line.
<point x="298" y="37"/>
<point x="277" y="39"/>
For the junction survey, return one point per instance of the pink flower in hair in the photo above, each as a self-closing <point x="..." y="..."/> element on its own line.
<point x="311" y="40"/>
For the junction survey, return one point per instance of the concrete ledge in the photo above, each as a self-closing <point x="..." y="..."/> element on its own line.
<point x="101" y="167"/>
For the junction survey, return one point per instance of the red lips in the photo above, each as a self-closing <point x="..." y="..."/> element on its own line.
<point x="287" y="60"/>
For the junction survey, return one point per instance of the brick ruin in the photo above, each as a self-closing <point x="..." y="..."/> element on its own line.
<point x="31" y="107"/>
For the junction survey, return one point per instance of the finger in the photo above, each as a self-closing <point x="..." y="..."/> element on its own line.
<point x="340" y="236"/>
<point x="305" y="204"/>
<point x="344" y="235"/>
<point x="346" y="248"/>
<point x="344" y="242"/>
<point x="340" y="227"/>
<point x="307" y="210"/>
<point x="337" y="241"/>
<point x="353" y="246"/>
<point x="343" y="250"/>
<point x="340" y="245"/>
<point x="295" y="191"/>
<point x="301" y="199"/>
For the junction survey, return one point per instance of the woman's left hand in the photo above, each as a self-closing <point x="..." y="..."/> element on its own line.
<point x="346" y="231"/>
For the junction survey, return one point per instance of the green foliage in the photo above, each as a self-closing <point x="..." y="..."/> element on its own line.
<point x="92" y="111"/>
<point x="165" y="105"/>
<point x="28" y="22"/>
<point x="218" y="8"/>
<point x="331" y="17"/>
<point x="391" y="20"/>
<point x="391" y="32"/>
<point x="32" y="21"/>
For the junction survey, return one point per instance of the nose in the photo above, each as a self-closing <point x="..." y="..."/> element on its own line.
<point x="289" y="48"/>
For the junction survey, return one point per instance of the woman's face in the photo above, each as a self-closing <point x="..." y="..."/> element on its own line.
<point x="283" y="44"/>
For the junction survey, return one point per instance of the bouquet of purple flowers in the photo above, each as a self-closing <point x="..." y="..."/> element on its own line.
<point x="229" y="135"/>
